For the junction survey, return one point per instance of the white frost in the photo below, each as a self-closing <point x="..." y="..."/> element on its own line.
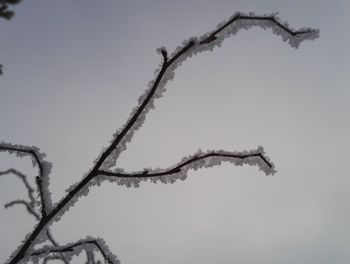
<point x="200" y="159"/>
<point x="24" y="151"/>
<point x="228" y="31"/>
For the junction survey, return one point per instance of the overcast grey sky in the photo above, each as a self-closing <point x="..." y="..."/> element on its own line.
<point x="73" y="70"/>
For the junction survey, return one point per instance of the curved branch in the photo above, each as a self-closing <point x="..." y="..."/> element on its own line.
<point x="192" y="47"/>
<point x="25" y="181"/>
<point x="53" y="241"/>
<point x="30" y="206"/>
<point x="26" y="204"/>
<point x="76" y="248"/>
<point x="44" y="169"/>
<point x="267" y="18"/>
<point x="198" y="160"/>
<point x="156" y="88"/>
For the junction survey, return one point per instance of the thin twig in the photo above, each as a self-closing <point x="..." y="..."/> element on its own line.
<point x="177" y="169"/>
<point x="167" y="63"/>
<point x="70" y="248"/>
<point x="26" y="204"/>
<point x="39" y="181"/>
<point x="53" y="241"/>
<point x="25" y="181"/>
<point x="213" y="35"/>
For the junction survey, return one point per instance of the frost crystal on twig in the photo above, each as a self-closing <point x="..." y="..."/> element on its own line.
<point x="104" y="166"/>
<point x="201" y="159"/>
<point x="190" y="47"/>
<point x="89" y="244"/>
<point x="38" y="159"/>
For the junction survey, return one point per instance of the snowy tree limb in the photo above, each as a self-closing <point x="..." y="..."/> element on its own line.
<point x="198" y="160"/>
<point x="23" y="177"/>
<point x="88" y="244"/>
<point x="30" y="206"/>
<point x="44" y="170"/>
<point x="108" y="157"/>
<point x="189" y="48"/>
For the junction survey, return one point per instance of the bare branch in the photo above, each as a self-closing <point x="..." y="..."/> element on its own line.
<point x="44" y="170"/>
<point x="25" y="181"/>
<point x="26" y="204"/>
<point x="69" y="250"/>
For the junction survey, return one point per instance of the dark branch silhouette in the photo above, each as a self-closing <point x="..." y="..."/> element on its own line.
<point x="106" y="161"/>
<point x="23" y="177"/>
<point x="30" y="206"/>
<point x="27" y="206"/>
<point x="35" y="154"/>
<point x="80" y="246"/>
<point x="236" y="157"/>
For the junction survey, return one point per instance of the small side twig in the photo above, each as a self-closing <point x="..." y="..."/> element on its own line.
<point x="44" y="169"/>
<point x="198" y="160"/>
<point x="53" y="241"/>
<point x="30" y="206"/>
<point x="107" y="158"/>
<point x="76" y="248"/>
<point x="23" y="177"/>
<point x="27" y="205"/>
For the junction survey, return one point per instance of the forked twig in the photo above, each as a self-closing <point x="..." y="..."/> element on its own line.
<point x="88" y="244"/>
<point x="44" y="170"/>
<point x="30" y="206"/>
<point x="23" y="177"/>
<point x="104" y="164"/>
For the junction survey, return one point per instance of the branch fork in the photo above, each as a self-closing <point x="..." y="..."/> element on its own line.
<point x="106" y="161"/>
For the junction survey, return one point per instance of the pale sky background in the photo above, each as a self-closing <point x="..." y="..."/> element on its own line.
<point x="73" y="70"/>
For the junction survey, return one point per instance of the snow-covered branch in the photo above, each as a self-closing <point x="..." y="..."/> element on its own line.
<point x="294" y="37"/>
<point x="106" y="161"/>
<point x="196" y="161"/>
<point x="89" y="245"/>
<point x="30" y="206"/>
<point x="23" y="177"/>
<point x="90" y="258"/>
<point x="189" y="48"/>
<point x="44" y="166"/>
